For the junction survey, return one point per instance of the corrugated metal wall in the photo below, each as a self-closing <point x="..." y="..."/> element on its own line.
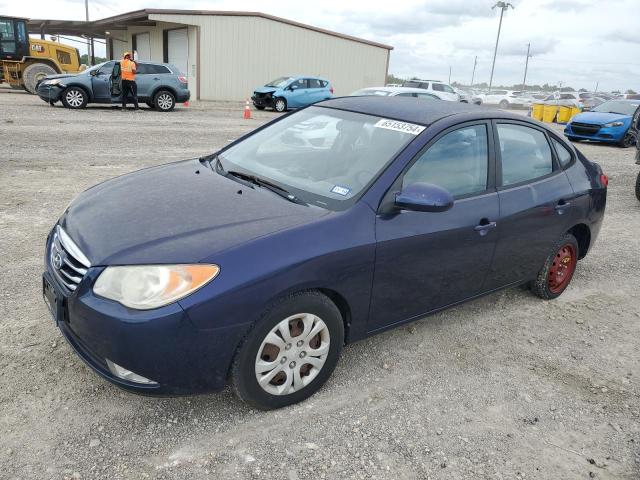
<point x="238" y="54"/>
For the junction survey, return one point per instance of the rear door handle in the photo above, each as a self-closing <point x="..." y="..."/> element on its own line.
<point x="562" y="206"/>
<point x="484" y="227"/>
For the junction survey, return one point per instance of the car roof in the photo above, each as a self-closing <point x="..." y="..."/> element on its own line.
<point x="396" y="89"/>
<point x="305" y="76"/>
<point x="410" y="109"/>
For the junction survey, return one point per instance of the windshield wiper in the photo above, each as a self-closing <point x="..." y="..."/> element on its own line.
<point x="261" y="182"/>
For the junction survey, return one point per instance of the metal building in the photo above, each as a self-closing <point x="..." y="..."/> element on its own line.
<point x="225" y="55"/>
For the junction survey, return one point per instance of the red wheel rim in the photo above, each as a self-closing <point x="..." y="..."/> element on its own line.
<point x="562" y="268"/>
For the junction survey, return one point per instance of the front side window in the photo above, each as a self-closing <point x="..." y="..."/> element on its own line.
<point x="7" y="37"/>
<point x="438" y="87"/>
<point x="324" y="156"/>
<point x="458" y="162"/>
<point x="143" y="69"/>
<point x="299" y="84"/>
<point x="448" y="89"/>
<point x="525" y="153"/>
<point x="106" y="68"/>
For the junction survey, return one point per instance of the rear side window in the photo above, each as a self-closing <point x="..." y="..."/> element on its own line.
<point x="564" y="155"/>
<point x="458" y="161"/>
<point x="314" y="83"/>
<point x="525" y="153"/>
<point x="158" y="69"/>
<point x="324" y="83"/>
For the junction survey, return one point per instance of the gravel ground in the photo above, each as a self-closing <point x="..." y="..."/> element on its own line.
<point x="506" y="387"/>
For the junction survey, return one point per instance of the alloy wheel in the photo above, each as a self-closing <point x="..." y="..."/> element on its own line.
<point x="75" y="98"/>
<point x="280" y="105"/>
<point x="292" y="354"/>
<point x="165" y="102"/>
<point x="562" y="268"/>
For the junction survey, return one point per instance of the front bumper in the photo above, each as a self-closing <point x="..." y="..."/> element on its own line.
<point x="604" y="134"/>
<point x="162" y="345"/>
<point x="262" y="100"/>
<point x="49" y="93"/>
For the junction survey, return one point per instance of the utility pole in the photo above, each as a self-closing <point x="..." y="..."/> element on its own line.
<point x="597" y="83"/>
<point x="502" y="6"/>
<point x="90" y="47"/>
<point x="526" y="66"/>
<point x="449" y="74"/>
<point x="475" y="62"/>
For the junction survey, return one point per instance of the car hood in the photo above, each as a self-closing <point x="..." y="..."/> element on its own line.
<point x="176" y="213"/>
<point x="599" y="117"/>
<point x="265" y="89"/>
<point x="61" y="75"/>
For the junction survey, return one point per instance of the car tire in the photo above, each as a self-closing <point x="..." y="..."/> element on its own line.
<point x="150" y="105"/>
<point x="259" y="107"/>
<point x="34" y="73"/>
<point x="164" y="101"/>
<point x="74" y="98"/>
<point x="558" y="269"/>
<point x="291" y="316"/>
<point x="503" y="104"/>
<point x="628" y="140"/>
<point x="638" y="187"/>
<point x="280" y="105"/>
<point x="573" y="139"/>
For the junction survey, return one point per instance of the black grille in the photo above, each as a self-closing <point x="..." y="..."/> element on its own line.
<point x="584" y="128"/>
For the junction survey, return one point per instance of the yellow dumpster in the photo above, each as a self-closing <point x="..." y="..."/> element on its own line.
<point x="575" y="111"/>
<point x="537" y="111"/>
<point x="549" y="113"/>
<point x="564" y="114"/>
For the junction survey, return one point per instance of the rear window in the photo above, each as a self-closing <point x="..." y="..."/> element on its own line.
<point x="564" y="155"/>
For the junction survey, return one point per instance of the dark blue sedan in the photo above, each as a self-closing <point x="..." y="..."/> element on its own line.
<point x="256" y="264"/>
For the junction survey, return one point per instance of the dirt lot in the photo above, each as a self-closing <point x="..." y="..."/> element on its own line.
<point x="507" y="387"/>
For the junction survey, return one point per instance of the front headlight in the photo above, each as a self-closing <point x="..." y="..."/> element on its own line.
<point x="614" y="124"/>
<point x="144" y="287"/>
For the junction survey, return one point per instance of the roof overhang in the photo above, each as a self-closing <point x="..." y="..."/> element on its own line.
<point x="98" y="28"/>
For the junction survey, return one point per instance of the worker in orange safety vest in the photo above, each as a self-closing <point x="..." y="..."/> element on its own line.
<point x="128" y="75"/>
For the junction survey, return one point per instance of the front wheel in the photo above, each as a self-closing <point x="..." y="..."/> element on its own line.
<point x="280" y="104"/>
<point x="290" y="353"/>
<point x="164" y="101"/>
<point x="503" y="104"/>
<point x="74" y="97"/>
<point x="638" y="186"/>
<point x="558" y="269"/>
<point x="628" y="140"/>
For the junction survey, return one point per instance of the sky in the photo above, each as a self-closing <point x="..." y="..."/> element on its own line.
<point x="580" y="43"/>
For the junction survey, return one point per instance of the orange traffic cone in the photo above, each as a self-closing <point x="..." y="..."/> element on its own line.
<point x="247" y="111"/>
<point x="186" y="104"/>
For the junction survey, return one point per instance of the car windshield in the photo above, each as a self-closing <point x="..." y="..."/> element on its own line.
<point x="279" y="82"/>
<point x="94" y="68"/>
<point x="323" y="156"/>
<point x="617" y="106"/>
<point x="370" y="91"/>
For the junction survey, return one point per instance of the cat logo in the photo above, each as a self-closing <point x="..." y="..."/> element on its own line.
<point x="37" y="48"/>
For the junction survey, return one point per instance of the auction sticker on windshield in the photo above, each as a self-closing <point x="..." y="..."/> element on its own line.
<point x="397" y="126"/>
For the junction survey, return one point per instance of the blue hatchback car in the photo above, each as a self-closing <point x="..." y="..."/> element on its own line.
<point x="292" y="92"/>
<point x="608" y="122"/>
<point x="256" y="264"/>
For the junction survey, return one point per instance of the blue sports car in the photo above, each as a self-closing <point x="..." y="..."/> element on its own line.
<point x="256" y="264"/>
<point x="608" y="122"/>
<point x="284" y="93"/>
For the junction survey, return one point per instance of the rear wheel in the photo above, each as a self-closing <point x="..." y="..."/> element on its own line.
<point x="290" y="353"/>
<point x="74" y="97"/>
<point x="279" y="104"/>
<point x="558" y="269"/>
<point x="34" y="73"/>
<point x="503" y="104"/>
<point x="628" y="140"/>
<point x="638" y="186"/>
<point x="164" y="101"/>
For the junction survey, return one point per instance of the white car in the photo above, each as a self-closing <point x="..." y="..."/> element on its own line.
<point x="564" y="99"/>
<point x="395" y="92"/>
<point x="504" y="98"/>
<point x="435" y="87"/>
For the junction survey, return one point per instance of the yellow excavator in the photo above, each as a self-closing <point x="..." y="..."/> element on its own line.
<point x="24" y="61"/>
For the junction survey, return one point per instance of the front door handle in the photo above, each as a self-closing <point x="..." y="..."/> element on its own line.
<point x="484" y="226"/>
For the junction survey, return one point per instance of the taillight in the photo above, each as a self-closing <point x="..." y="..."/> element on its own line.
<point x="182" y="79"/>
<point x="604" y="180"/>
<point x="331" y="90"/>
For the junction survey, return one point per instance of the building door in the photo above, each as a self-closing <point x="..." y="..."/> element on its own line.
<point x="178" y="49"/>
<point x="142" y="46"/>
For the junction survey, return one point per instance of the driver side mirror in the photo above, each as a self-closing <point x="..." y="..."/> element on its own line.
<point x="424" y="197"/>
<point x="293" y="87"/>
<point x="93" y="73"/>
